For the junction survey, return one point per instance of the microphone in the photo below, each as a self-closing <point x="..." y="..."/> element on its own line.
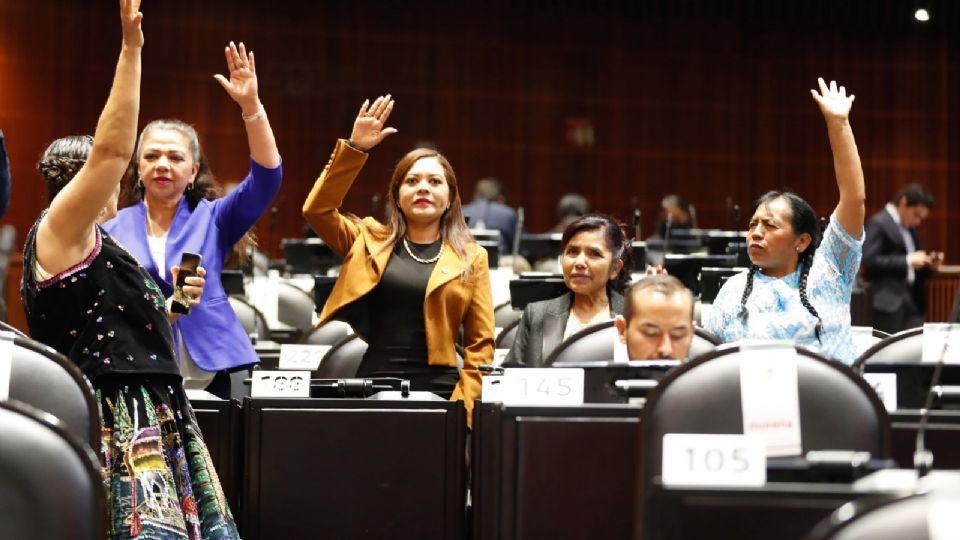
<point x="666" y="234"/>
<point x="693" y="216"/>
<point x="516" y="240"/>
<point x="375" y="204"/>
<point x="636" y="225"/>
<point x="922" y="457"/>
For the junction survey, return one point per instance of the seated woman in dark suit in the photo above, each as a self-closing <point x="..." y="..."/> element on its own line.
<point x="595" y="258"/>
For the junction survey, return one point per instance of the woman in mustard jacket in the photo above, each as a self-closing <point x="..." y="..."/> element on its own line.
<point x="408" y="285"/>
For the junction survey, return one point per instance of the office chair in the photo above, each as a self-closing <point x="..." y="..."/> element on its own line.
<point x="254" y="323"/>
<point x="880" y="517"/>
<point x="905" y="346"/>
<point x="838" y="410"/>
<point x="702" y="343"/>
<point x="295" y="306"/>
<point x="327" y="334"/>
<point x="504" y="315"/>
<point x="507" y="335"/>
<point x="594" y="343"/>
<point x="51" y="488"/>
<point x="48" y="381"/>
<point x="343" y="359"/>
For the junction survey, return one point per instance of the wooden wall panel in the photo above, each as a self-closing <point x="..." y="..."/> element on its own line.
<point x="706" y="99"/>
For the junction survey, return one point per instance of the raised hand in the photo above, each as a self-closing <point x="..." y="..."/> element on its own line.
<point x="834" y="102"/>
<point x="242" y="85"/>
<point x="368" y="128"/>
<point x="130" y="18"/>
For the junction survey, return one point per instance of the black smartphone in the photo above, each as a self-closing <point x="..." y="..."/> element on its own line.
<point x="189" y="262"/>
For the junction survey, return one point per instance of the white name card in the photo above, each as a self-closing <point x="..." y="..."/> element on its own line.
<point x="714" y="460"/>
<point x="941" y="340"/>
<point x="6" y="363"/>
<point x="885" y="385"/>
<point x="280" y="384"/>
<point x="301" y="357"/>
<point x="491" y="389"/>
<point x="768" y="395"/>
<point x="536" y="386"/>
<point x="942" y="511"/>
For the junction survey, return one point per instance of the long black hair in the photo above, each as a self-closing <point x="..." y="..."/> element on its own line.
<point x="804" y="220"/>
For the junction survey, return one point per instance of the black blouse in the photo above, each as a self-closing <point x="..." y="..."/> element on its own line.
<point x="106" y="313"/>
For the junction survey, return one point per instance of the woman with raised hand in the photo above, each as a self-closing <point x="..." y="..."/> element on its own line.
<point x="180" y="210"/>
<point x="799" y="286"/>
<point x="408" y="285"/>
<point x="595" y="259"/>
<point x="88" y="298"/>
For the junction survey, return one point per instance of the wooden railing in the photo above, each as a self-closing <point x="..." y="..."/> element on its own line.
<point x="942" y="288"/>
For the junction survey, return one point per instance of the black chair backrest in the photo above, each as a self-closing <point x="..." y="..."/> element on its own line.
<point x="881" y="517"/>
<point x="295" y="306"/>
<point x="51" y="486"/>
<point x="592" y="344"/>
<point x="905" y="346"/>
<point x="8" y="328"/>
<point x="327" y="334"/>
<point x="702" y="343"/>
<point x="343" y="359"/>
<point x="838" y="409"/>
<point x="250" y="317"/>
<point x="504" y="314"/>
<point x="48" y="381"/>
<point x="507" y="335"/>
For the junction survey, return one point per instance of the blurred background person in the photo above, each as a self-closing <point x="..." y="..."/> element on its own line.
<point x="894" y="263"/>
<point x="488" y="211"/>
<point x="569" y="207"/>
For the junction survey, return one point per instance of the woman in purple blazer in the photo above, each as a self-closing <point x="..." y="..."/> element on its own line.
<point x="179" y="210"/>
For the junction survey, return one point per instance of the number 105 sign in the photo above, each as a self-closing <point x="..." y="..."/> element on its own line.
<point x="714" y="460"/>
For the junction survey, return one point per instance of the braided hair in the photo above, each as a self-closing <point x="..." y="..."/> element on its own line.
<point x="62" y="160"/>
<point x="804" y="220"/>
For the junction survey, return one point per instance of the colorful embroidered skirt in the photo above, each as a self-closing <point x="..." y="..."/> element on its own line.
<point x="160" y="480"/>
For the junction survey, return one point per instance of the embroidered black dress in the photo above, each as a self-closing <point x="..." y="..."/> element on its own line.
<point x="109" y="317"/>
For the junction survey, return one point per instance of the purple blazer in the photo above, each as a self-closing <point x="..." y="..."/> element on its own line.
<point x="212" y="333"/>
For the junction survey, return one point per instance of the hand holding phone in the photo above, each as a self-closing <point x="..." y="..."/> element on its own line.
<point x="189" y="262"/>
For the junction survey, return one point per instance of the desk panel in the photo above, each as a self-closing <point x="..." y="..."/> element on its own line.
<point x="354" y="469"/>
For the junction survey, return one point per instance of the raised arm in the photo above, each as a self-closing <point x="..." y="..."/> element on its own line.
<point x="835" y="106"/>
<point x="242" y="88"/>
<point x="321" y="209"/>
<point x="66" y="235"/>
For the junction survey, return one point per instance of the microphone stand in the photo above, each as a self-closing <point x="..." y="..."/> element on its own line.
<point x="922" y="457"/>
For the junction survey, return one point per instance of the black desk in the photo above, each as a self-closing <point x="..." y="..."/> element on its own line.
<point x="942" y="437"/>
<point x="554" y="472"/>
<point x="350" y="468"/>
<point x="781" y="511"/>
<point x="219" y="422"/>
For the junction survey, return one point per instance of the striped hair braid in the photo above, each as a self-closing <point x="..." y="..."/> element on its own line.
<point x="807" y="262"/>
<point x="746" y="293"/>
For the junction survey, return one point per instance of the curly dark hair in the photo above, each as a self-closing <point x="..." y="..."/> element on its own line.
<point x="61" y="161"/>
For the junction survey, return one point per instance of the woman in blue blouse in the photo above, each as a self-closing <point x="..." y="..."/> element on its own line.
<point x="798" y="287"/>
<point x="180" y="211"/>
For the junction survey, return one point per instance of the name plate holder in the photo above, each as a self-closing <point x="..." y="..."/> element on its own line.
<point x="301" y="357"/>
<point x="885" y="385"/>
<point x="692" y="459"/>
<point x="280" y="384"/>
<point x="535" y="386"/>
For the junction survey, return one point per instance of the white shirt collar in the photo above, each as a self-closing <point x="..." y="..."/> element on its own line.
<point x="892" y="210"/>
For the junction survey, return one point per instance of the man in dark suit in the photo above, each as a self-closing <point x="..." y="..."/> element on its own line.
<point x="894" y="263"/>
<point x="487" y="211"/>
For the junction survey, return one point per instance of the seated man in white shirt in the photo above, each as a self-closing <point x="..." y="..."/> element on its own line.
<point x="657" y="320"/>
